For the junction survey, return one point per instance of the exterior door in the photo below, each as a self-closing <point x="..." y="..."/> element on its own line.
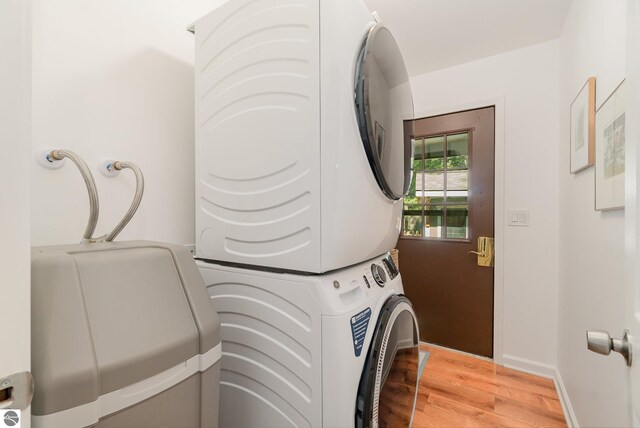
<point x="15" y="254"/>
<point x="450" y="204"/>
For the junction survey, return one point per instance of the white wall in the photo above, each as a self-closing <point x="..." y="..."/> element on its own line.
<point x="528" y="80"/>
<point x="15" y="254"/>
<point x="592" y="252"/>
<point x="114" y="79"/>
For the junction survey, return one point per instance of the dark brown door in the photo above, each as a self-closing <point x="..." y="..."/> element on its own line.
<point x="449" y="205"/>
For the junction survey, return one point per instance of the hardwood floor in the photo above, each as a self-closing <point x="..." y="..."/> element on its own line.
<point x="458" y="390"/>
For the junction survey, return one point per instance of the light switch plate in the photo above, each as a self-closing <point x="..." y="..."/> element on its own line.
<point x="518" y="218"/>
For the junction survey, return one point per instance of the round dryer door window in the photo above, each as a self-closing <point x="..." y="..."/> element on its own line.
<point x="389" y="384"/>
<point x="384" y="107"/>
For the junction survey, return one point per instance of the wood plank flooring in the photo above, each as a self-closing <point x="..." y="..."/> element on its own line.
<point x="458" y="390"/>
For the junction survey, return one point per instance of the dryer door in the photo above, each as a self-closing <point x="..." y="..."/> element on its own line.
<point x="389" y="384"/>
<point x="383" y="102"/>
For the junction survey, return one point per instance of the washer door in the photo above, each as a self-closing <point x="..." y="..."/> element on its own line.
<point x="389" y="384"/>
<point x="383" y="102"/>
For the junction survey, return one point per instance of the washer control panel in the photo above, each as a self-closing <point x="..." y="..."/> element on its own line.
<point x="347" y="288"/>
<point x="379" y="274"/>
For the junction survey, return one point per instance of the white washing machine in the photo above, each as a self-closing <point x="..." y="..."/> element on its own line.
<point x="301" y="156"/>
<point x="333" y="350"/>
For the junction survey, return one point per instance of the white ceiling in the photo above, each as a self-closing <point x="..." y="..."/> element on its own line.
<point x="435" y="34"/>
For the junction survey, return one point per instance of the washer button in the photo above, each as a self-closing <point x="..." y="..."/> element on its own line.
<point x="366" y="281"/>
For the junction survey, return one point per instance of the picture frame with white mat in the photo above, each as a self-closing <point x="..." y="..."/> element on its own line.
<point x="582" y="112"/>
<point x="610" y="153"/>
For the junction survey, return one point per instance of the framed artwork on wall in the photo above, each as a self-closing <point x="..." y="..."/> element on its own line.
<point x="610" y="140"/>
<point x="583" y="111"/>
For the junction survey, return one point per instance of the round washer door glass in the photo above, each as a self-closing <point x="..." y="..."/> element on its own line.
<point x="383" y="104"/>
<point x="389" y="382"/>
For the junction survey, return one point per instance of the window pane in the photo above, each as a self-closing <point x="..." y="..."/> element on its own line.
<point x="457" y="197"/>
<point x="434" y="221"/>
<point x="410" y="197"/>
<point x="457" y="221"/>
<point x="418" y="148"/>
<point x="458" y="180"/>
<point x="434" y="181"/>
<point x="419" y="177"/>
<point x="434" y="153"/>
<point x="412" y="220"/>
<point x="458" y="150"/>
<point x="431" y="200"/>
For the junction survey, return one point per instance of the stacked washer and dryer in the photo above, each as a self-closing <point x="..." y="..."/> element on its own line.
<point x="301" y="166"/>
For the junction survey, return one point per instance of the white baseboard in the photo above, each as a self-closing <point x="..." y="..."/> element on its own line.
<point x="569" y="414"/>
<point x="550" y="372"/>
<point x="529" y="366"/>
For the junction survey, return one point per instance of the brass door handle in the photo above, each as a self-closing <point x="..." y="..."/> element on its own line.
<point x="485" y="251"/>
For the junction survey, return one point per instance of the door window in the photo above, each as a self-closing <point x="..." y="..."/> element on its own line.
<point x="437" y="203"/>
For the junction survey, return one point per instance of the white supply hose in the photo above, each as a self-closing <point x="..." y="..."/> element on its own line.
<point x="94" y="205"/>
<point x="137" y="198"/>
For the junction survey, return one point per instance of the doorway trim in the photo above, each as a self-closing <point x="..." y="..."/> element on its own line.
<point x="499" y="204"/>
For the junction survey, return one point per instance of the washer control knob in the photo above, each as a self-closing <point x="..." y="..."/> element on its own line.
<point x="378" y="274"/>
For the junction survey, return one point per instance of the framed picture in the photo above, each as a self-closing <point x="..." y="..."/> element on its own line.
<point x="610" y="140"/>
<point x="583" y="111"/>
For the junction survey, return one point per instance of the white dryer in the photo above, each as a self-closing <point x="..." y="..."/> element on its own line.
<point x="301" y="160"/>
<point x="333" y="350"/>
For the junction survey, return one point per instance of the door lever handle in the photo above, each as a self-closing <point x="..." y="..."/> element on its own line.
<point x="485" y="251"/>
<point x="600" y="342"/>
